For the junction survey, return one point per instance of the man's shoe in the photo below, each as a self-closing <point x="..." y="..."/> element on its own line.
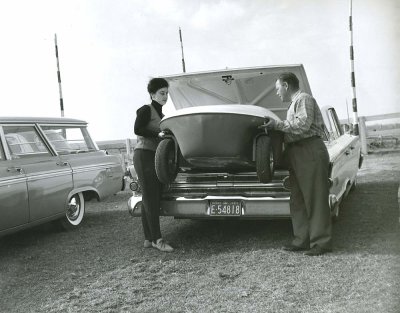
<point x="162" y="246"/>
<point x="293" y="248"/>
<point x="147" y="244"/>
<point x="317" y="250"/>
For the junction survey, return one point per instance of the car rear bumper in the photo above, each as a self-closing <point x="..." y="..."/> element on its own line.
<point x="192" y="208"/>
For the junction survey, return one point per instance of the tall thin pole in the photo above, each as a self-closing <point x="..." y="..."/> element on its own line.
<point x="183" y="58"/>
<point x="59" y="78"/>
<point x="347" y="109"/>
<point x="353" y="78"/>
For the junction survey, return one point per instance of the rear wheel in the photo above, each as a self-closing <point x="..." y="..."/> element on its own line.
<point x="264" y="159"/>
<point x="354" y="185"/>
<point x="165" y="161"/>
<point x="75" y="211"/>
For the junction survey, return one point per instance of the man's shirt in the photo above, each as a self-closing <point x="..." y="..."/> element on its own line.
<point x="304" y="119"/>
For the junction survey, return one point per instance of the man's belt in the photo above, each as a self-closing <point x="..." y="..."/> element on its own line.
<point x="302" y="141"/>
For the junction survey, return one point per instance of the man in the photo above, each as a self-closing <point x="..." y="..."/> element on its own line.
<point x="308" y="167"/>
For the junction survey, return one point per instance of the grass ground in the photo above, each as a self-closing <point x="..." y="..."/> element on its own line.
<point x="225" y="266"/>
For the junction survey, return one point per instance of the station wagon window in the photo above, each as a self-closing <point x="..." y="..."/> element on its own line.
<point x="2" y="157"/>
<point x="24" y="141"/>
<point x="69" y="139"/>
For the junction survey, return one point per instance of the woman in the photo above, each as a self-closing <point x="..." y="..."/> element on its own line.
<point x="147" y="127"/>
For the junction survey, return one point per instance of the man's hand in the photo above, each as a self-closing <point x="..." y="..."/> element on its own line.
<point x="269" y="123"/>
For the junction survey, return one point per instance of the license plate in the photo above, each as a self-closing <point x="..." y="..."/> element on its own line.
<point x="225" y="207"/>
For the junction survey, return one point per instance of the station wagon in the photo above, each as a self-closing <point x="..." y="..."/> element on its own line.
<point x="49" y="168"/>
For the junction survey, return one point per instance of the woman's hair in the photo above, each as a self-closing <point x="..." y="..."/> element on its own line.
<point x="289" y="78"/>
<point x="156" y="84"/>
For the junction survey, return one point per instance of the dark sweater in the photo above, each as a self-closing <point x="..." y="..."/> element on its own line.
<point x="143" y="116"/>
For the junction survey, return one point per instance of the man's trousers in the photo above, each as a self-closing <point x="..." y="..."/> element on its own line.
<point x="309" y="200"/>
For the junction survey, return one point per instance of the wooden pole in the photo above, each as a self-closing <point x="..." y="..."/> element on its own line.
<point x="128" y="151"/>
<point x="363" y="135"/>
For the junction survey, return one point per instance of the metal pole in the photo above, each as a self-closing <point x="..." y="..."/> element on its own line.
<point x="59" y="78"/>
<point x="353" y="78"/>
<point x="183" y="58"/>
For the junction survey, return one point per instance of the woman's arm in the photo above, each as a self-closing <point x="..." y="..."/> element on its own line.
<point x="143" y="116"/>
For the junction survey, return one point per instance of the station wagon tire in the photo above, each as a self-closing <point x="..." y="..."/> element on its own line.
<point x="264" y="159"/>
<point x="165" y="161"/>
<point x="75" y="211"/>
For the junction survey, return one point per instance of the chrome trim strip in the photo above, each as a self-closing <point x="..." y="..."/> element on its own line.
<point x="51" y="174"/>
<point x="6" y="181"/>
<point x="82" y="169"/>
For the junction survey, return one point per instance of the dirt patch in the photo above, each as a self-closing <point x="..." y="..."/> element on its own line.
<point x="225" y="266"/>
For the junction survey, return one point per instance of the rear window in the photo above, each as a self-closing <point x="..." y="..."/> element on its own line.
<point x="24" y="141"/>
<point x="69" y="139"/>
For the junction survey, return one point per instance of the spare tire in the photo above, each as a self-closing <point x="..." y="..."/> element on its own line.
<point x="165" y="161"/>
<point x="264" y="159"/>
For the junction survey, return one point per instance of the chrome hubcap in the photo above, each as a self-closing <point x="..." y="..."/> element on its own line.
<point x="74" y="207"/>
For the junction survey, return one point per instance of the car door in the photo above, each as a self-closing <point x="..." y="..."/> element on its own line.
<point x="344" y="150"/>
<point x="91" y="168"/>
<point x="14" y="209"/>
<point x="49" y="180"/>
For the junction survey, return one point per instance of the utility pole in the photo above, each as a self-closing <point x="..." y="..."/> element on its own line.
<point x="183" y="58"/>
<point x="353" y="78"/>
<point x="59" y="78"/>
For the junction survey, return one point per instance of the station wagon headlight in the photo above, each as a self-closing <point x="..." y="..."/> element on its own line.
<point x="134" y="186"/>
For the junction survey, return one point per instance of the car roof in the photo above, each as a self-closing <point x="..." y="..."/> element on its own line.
<point x="40" y="120"/>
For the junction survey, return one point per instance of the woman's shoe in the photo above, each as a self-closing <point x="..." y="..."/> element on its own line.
<point x="162" y="246"/>
<point x="147" y="244"/>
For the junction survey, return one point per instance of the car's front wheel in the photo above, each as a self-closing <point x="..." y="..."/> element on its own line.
<point x="75" y="211"/>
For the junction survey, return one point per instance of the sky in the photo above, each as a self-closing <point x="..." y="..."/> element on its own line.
<point x="109" y="49"/>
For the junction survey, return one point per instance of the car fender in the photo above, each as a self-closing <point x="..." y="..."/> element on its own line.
<point x="89" y="192"/>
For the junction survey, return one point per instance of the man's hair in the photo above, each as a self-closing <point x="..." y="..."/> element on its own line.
<point x="290" y="79"/>
<point x="156" y="84"/>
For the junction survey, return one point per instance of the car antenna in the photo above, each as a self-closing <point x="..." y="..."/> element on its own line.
<point x="353" y="79"/>
<point x="183" y="58"/>
<point x="59" y="77"/>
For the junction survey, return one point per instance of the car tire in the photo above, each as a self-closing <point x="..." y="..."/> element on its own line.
<point x="165" y="161"/>
<point x="335" y="213"/>
<point x="264" y="159"/>
<point x="75" y="211"/>
<point x="354" y="185"/>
